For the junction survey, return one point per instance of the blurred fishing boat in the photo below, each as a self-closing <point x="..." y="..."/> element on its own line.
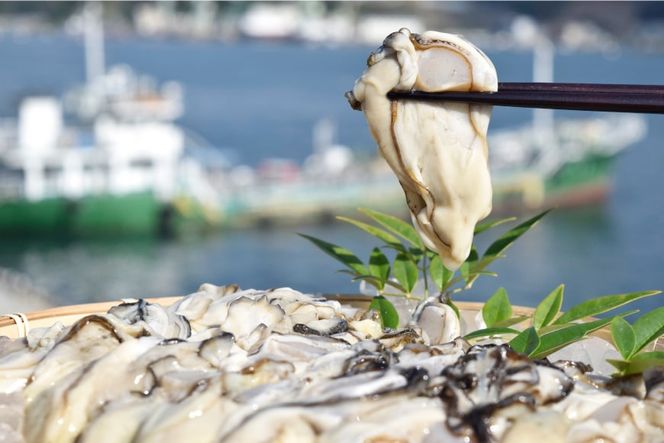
<point x="557" y="163"/>
<point x="332" y="181"/>
<point x="570" y="166"/>
<point x="547" y="163"/>
<point x="567" y="164"/>
<point x="121" y="169"/>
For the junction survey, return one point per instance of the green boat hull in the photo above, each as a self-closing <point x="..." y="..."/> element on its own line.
<point x="142" y="214"/>
<point x="574" y="184"/>
<point x="110" y="215"/>
<point x="21" y="217"/>
<point x="593" y="170"/>
<point x="137" y="214"/>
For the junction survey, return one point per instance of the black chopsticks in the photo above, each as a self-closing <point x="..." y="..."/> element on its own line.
<point x="647" y="99"/>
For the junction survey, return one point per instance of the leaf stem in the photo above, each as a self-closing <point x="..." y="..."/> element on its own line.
<point x="445" y="297"/>
<point x="424" y="274"/>
<point x="397" y="294"/>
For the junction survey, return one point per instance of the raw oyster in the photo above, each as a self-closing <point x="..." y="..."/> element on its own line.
<point x="61" y="412"/>
<point x="328" y="326"/>
<point x="142" y="317"/>
<point x="481" y="387"/>
<point x="438" y="151"/>
<point x="439" y="323"/>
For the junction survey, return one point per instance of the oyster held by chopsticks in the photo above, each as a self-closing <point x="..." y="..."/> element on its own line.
<point x="438" y="151"/>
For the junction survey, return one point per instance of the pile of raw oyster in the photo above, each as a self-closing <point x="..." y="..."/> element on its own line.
<point x="225" y="365"/>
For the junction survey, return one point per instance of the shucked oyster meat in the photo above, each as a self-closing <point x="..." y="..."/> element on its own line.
<point x="225" y="365"/>
<point x="438" y="151"/>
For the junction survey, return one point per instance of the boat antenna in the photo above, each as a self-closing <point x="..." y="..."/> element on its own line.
<point x="543" y="67"/>
<point x="94" y="41"/>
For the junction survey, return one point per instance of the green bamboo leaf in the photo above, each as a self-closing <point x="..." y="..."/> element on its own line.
<point x="371" y="279"/>
<point x="405" y="271"/>
<point x="397" y="286"/>
<point x="379" y="266"/>
<point x="464" y="270"/>
<point x="623" y="336"/>
<point x="547" y="310"/>
<point x="497" y="308"/>
<point x="395" y="225"/>
<point x="466" y="267"/>
<point x="489" y="224"/>
<point x="454" y="307"/>
<point x="339" y="253"/>
<point x="639" y="363"/>
<point x="416" y="253"/>
<point x="659" y="355"/>
<point x="473" y="257"/>
<point x="553" y="341"/>
<point x="474" y="276"/>
<point x="440" y="275"/>
<point x="601" y="305"/>
<point x="347" y="271"/>
<point x="476" y="269"/>
<point x="509" y="237"/>
<point x="648" y="328"/>
<point x="487" y="273"/>
<point x="555" y="327"/>
<point x="483" y="263"/>
<point x="379" y="233"/>
<point x="490" y="332"/>
<point x="511" y="321"/>
<point x="526" y="342"/>
<point x="620" y="365"/>
<point x="389" y="316"/>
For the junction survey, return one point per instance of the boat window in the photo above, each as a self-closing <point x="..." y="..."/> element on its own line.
<point x="143" y="163"/>
<point x="50" y="171"/>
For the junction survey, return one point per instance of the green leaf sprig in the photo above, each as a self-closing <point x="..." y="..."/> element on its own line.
<point x="389" y="316"/>
<point x="632" y="340"/>
<point x="412" y="261"/>
<point x="550" y="331"/>
<point x="538" y="335"/>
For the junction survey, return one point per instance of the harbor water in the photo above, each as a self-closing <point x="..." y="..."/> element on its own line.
<point x="260" y="100"/>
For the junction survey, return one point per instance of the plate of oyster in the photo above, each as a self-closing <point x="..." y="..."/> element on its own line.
<point x="231" y="365"/>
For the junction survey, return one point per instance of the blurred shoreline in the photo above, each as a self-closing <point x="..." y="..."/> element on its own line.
<point x="573" y="26"/>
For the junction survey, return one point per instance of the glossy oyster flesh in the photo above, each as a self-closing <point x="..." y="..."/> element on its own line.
<point x="438" y="151"/>
<point x="279" y="365"/>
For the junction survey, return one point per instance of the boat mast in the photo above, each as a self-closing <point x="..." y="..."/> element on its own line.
<point x="543" y="60"/>
<point x="94" y="41"/>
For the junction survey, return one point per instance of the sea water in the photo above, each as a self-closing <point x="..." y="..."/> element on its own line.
<point x="259" y="100"/>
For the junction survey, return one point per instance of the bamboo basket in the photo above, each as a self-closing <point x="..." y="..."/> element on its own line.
<point x="19" y="324"/>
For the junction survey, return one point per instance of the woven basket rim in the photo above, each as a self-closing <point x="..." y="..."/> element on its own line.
<point x="18" y="324"/>
<point x="101" y="307"/>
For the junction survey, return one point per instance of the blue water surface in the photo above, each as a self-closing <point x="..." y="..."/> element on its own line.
<point x="262" y="100"/>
